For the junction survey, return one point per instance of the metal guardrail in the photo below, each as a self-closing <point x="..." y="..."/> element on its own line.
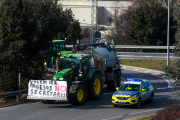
<point x="135" y="46"/>
<point x="144" y="47"/>
<point x="13" y="94"/>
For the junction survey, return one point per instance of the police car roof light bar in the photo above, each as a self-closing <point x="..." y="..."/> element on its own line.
<point x="134" y="79"/>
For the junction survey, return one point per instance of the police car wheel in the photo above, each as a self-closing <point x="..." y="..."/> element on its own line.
<point x="151" y="98"/>
<point x="139" y="103"/>
<point x="115" y="105"/>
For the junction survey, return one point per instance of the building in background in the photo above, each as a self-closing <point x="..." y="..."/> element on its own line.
<point x="82" y="11"/>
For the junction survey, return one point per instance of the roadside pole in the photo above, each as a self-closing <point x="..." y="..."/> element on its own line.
<point x="168" y="31"/>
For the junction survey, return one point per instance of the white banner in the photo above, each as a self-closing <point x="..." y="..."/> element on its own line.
<point x="47" y="90"/>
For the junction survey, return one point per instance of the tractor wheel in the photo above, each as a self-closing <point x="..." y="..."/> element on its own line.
<point x="95" y="87"/>
<point x="78" y="96"/>
<point x="48" y="101"/>
<point x="111" y="85"/>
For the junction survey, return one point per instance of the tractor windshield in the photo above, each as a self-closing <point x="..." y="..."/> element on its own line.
<point x="70" y="62"/>
<point x="58" y="46"/>
<point x="74" y="63"/>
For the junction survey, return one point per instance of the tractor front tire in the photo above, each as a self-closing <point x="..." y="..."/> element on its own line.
<point x="78" y="96"/>
<point x="95" y="87"/>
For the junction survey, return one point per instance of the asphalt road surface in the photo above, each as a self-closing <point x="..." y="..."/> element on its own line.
<point x="101" y="109"/>
<point x="143" y="55"/>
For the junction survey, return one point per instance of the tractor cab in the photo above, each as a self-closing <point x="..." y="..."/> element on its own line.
<point x="76" y="62"/>
<point x="57" y="49"/>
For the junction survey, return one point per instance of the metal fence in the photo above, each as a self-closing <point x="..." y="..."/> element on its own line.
<point x="136" y="47"/>
<point x="14" y="93"/>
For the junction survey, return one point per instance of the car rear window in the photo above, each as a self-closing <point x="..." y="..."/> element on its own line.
<point x="130" y="87"/>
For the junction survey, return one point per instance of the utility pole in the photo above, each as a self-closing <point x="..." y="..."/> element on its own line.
<point x="168" y="31"/>
<point x="94" y="19"/>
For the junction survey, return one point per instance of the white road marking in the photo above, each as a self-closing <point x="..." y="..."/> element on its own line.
<point x="169" y="84"/>
<point x="112" y="118"/>
<point x="145" y="111"/>
<point x="133" y="114"/>
<point x="161" y="88"/>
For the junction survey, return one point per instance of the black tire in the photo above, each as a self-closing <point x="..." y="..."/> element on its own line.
<point x="151" y="98"/>
<point x="48" y="101"/>
<point x="78" y="96"/>
<point x="138" y="103"/>
<point x="115" y="105"/>
<point x="95" y="87"/>
<point x="111" y="85"/>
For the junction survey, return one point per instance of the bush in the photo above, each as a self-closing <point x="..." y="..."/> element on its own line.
<point x="170" y="112"/>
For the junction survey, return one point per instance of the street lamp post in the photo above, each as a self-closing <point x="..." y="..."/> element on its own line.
<point x="168" y="31"/>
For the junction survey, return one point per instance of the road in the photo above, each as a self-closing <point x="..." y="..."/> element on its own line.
<point x="139" y="55"/>
<point x="101" y="109"/>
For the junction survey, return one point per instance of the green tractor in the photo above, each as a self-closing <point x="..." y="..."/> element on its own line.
<point x="57" y="49"/>
<point x="82" y="75"/>
<point x="81" y="80"/>
<point x="86" y="73"/>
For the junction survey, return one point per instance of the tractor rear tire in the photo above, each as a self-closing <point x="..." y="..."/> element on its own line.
<point x="95" y="87"/>
<point x="48" y="101"/>
<point x="112" y="84"/>
<point x="78" y="96"/>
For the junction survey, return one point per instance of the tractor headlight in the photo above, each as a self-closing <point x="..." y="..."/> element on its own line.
<point x="58" y="78"/>
<point x="80" y="74"/>
<point x="61" y="79"/>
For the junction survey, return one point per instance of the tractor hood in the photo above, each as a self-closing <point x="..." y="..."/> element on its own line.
<point x="63" y="73"/>
<point x="64" y="52"/>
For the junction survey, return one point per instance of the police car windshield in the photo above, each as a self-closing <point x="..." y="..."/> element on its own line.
<point x="130" y="87"/>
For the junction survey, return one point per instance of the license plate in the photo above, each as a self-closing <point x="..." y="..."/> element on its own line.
<point x="122" y="101"/>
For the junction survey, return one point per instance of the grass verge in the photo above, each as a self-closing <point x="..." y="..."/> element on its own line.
<point x="146" y="63"/>
<point x="148" y="117"/>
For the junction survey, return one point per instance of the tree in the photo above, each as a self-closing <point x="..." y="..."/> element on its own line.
<point x="149" y="26"/>
<point x="122" y="17"/>
<point x="173" y="72"/>
<point x="27" y="28"/>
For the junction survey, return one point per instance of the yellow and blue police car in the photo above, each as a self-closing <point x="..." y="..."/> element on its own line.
<point x="133" y="92"/>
